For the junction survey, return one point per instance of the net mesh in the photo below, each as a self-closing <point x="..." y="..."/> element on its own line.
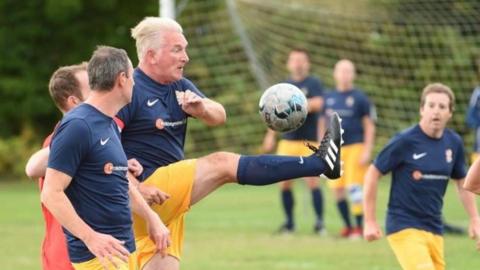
<point x="237" y="47"/>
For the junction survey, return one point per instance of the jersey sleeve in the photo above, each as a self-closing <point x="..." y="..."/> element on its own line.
<point x="459" y="167"/>
<point x="366" y="107"/>
<point x="316" y="89"/>
<point x="188" y="85"/>
<point x="70" y="144"/>
<point x="473" y="112"/>
<point x="391" y="155"/>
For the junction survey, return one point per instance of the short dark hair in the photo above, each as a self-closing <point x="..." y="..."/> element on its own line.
<point x="301" y="50"/>
<point x="64" y="83"/>
<point x="438" y="88"/>
<point x="104" y="67"/>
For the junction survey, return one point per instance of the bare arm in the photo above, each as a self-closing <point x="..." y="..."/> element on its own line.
<point x="53" y="197"/>
<point x="369" y="139"/>
<point x="269" y="141"/>
<point x="472" y="181"/>
<point x="206" y="110"/>
<point x="37" y="163"/>
<point x="315" y="104"/>
<point x="214" y="115"/>
<point x="469" y="203"/>
<point x="371" y="231"/>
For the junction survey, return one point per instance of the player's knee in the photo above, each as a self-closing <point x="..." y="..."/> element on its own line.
<point x="286" y="185"/>
<point x="355" y="194"/>
<point x="225" y="163"/>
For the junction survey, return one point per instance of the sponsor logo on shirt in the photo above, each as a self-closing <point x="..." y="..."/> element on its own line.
<point x="109" y="168"/>
<point x="160" y="124"/>
<point x="418" y="175"/>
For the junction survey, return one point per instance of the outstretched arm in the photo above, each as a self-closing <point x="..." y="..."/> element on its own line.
<point x="37" y="163"/>
<point x="371" y="231"/>
<point x="469" y="203"/>
<point x="206" y="110"/>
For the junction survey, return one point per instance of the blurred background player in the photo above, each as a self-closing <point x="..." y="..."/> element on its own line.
<point x="68" y="88"/>
<point x="422" y="159"/>
<point x="293" y="143"/>
<point x="473" y="121"/>
<point x="358" y="121"/>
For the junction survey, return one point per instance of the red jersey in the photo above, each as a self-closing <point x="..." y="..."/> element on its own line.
<point x="54" y="246"/>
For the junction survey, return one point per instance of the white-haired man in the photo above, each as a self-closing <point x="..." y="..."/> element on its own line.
<point x="154" y="129"/>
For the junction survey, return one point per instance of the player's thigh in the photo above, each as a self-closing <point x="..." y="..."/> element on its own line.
<point x="354" y="171"/>
<point x="341" y="183"/>
<point x="213" y="171"/>
<point x="411" y="249"/>
<point x="436" y="246"/>
<point x="147" y="250"/>
<point x="162" y="263"/>
<point x="95" y="264"/>
<point x="176" y="180"/>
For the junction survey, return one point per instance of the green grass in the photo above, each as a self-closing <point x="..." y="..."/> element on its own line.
<point x="232" y="229"/>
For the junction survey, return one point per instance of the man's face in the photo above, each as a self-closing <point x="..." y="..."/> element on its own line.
<point x="171" y="57"/>
<point x="298" y="64"/>
<point x="129" y="83"/>
<point x="435" y="113"/>
<point x="344" y="73"/>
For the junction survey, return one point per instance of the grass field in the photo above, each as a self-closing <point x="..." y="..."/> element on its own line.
<point x="232" y="229"/>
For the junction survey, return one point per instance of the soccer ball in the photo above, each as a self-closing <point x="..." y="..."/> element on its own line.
<point x="283" y="107"/>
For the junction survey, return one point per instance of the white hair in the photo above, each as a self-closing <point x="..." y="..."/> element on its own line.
<point x="150" y="30"/>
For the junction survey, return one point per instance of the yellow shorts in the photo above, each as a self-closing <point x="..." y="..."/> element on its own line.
<point x="418" y="249"/>
<point x="294" y="148"/>
<point x="176" y="180"/>
<point x="353" y="171"/>
<point x="474" y="157"/>
<point x="94" y="264"/>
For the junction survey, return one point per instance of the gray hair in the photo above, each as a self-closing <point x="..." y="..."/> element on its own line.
<point x="105" y="66"/>
<point x="148" y="32"/>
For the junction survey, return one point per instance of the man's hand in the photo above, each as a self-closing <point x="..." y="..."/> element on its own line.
<point x="107" y="249"/>
<point x="474" y="230"/>
<point x="372" y="231"/>
<point x="159" y="234"/>
<point x="191" y="103"/>
<point x="152" y="194"/>
<point x="135" y="167"/>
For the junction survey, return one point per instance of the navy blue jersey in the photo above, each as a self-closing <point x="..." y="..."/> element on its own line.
<point x="473" y="117"/>
<point x="351" y="106"/>
<point x="311" y="87"/>
<point x="421" y="167"/>
<point x="86" y="146"/>
<point x="154" y="123"/>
